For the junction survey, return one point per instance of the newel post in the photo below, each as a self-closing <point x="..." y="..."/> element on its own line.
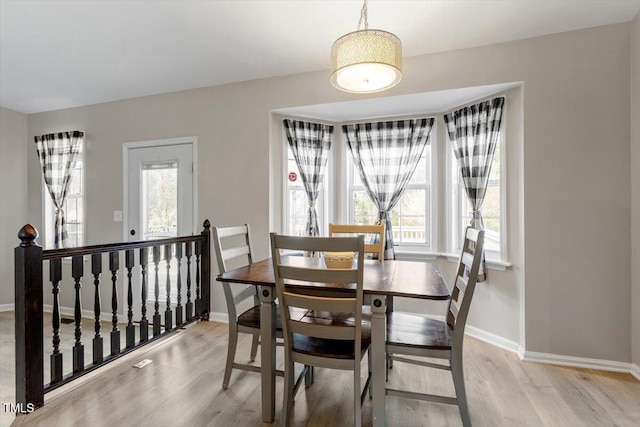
<point x="206" y="272"/>
<point x="29" y="320"/>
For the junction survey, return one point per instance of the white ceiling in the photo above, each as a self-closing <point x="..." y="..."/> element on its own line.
<point x="60" y="54"/>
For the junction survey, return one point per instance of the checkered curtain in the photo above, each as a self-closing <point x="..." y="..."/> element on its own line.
<point x="386" y="154"/>
<point x="58" y="153"/>
<point x="474" y="131"/>
<point x="310" y="144"/>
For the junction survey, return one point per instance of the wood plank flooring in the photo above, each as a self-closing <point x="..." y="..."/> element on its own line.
<point x="182" y="387"/>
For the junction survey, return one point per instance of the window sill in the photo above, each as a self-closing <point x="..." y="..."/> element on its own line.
<point x="492" y="264"/>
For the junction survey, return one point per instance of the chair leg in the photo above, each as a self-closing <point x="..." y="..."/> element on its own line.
<point x="370" y="372"/>
<point x="231" y="354"/>
<point x="457" y="372"/>
<point x="287" y="399"/>
<point x="386" y="366"/>
<point x="308" y="377"/>
<point x="254" y="347"/>
<point x="357" y="403"/>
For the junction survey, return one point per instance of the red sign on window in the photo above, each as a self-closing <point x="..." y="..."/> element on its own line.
<point x="293" y="177"/>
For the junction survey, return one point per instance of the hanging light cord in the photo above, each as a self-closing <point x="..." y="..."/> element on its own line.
<point x="364" y="16"/>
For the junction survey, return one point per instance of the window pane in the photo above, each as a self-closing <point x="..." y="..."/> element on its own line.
<point x="491" y="217"/>
<point x="412" y="202"/>
<point x="420" y="174"/>
<point x="357" y="182"/>
<point x="160" y="210"/>
<point x="75" y="184"/>
<point x="298" y="207"/>
<point x="363" y="206"/>
<point x="494" y="175"/>
<point x="71" y="212"/>
<point x="293" y="167"/>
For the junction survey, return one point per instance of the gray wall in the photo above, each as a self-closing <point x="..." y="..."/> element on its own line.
<point x="13" y="193"/>
<point x="575" y="169"/>
<point x="635" y="188"/>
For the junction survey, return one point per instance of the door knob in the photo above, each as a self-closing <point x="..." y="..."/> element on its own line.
<point x="133" y="232"/>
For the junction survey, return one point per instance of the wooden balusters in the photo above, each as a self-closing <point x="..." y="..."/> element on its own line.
<point x="156" y="306"/>
<point x="179" y="285"/>
<point x="131" y="330"/>
<point x="168" y="314"/>
<point x="78" y="349"/>
<point x="114" y="265"/>
<point x="96" y="270"/>
<point x="55" y="276"/>
<point x="198" y="301"/>
<point x="144" y="323"/>
<point x="189" y="306"/>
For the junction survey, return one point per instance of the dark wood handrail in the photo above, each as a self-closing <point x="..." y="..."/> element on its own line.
<point x="112" y="247"/>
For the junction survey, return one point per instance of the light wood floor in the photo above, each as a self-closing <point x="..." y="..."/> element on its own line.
<point x="182" y="387"/>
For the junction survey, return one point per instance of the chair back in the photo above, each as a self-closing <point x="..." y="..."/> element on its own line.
<point x="234" y="244"/>
<point x="351" y="229"/>
<point x="465" y="283"/>
<point x="287" y="269"/>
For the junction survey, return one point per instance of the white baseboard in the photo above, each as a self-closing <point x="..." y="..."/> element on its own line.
<point x="219" y="316"/>
<point x="7" y="307"/>
<point x="577" y="362"/>
<point x="521" y="351"/>
<point x="492" y="339"/>
<point x="635" y="371"/>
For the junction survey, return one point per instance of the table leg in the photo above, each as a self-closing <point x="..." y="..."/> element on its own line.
<point x="378" y="339"/>
<point x="268" y="352"/>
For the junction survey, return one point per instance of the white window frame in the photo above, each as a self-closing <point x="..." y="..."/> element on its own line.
<point x="49" y="209"/>
<point x="456" y="196"/>
<point x="430" y="195"/>
<point x="323" y="204"/>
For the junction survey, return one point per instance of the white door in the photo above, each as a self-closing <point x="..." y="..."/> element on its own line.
<point x="160" y="188"/>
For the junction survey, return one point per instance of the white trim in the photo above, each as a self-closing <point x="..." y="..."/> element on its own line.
<point x="491" y="264"/>
<point x="219" y="316"/>
<point x="635" y="371"/>
<point x="577" y="362"/>
<point x="493" y="339"/>
<point x="416" y="256"/>
<point x="521" y="351"/>
<point x="7" y="307"/>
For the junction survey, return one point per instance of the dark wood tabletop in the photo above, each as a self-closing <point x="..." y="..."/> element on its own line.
<point x="409" y="279"/>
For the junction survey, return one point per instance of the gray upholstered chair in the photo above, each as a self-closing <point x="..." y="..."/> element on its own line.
<point x="416" y="335"/>
<point x="332" y="334"/>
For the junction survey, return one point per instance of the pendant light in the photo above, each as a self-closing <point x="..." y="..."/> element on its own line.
<point x="366" y="61"/>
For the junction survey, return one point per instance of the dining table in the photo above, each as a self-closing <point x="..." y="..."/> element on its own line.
<point x="383" y="280"/>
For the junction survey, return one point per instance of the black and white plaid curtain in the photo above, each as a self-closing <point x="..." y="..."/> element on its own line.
<point x="58" y="153"/>
<point x="474" y="132"/>
<point x="310" y="144"/>
<point x="386" y="154"/>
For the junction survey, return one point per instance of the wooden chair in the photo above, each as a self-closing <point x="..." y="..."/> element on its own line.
<point x="233" y="244"/>
<point x="332" y="333"/>
<point x="421" y="336"/>
<point x="375" y="248"/>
